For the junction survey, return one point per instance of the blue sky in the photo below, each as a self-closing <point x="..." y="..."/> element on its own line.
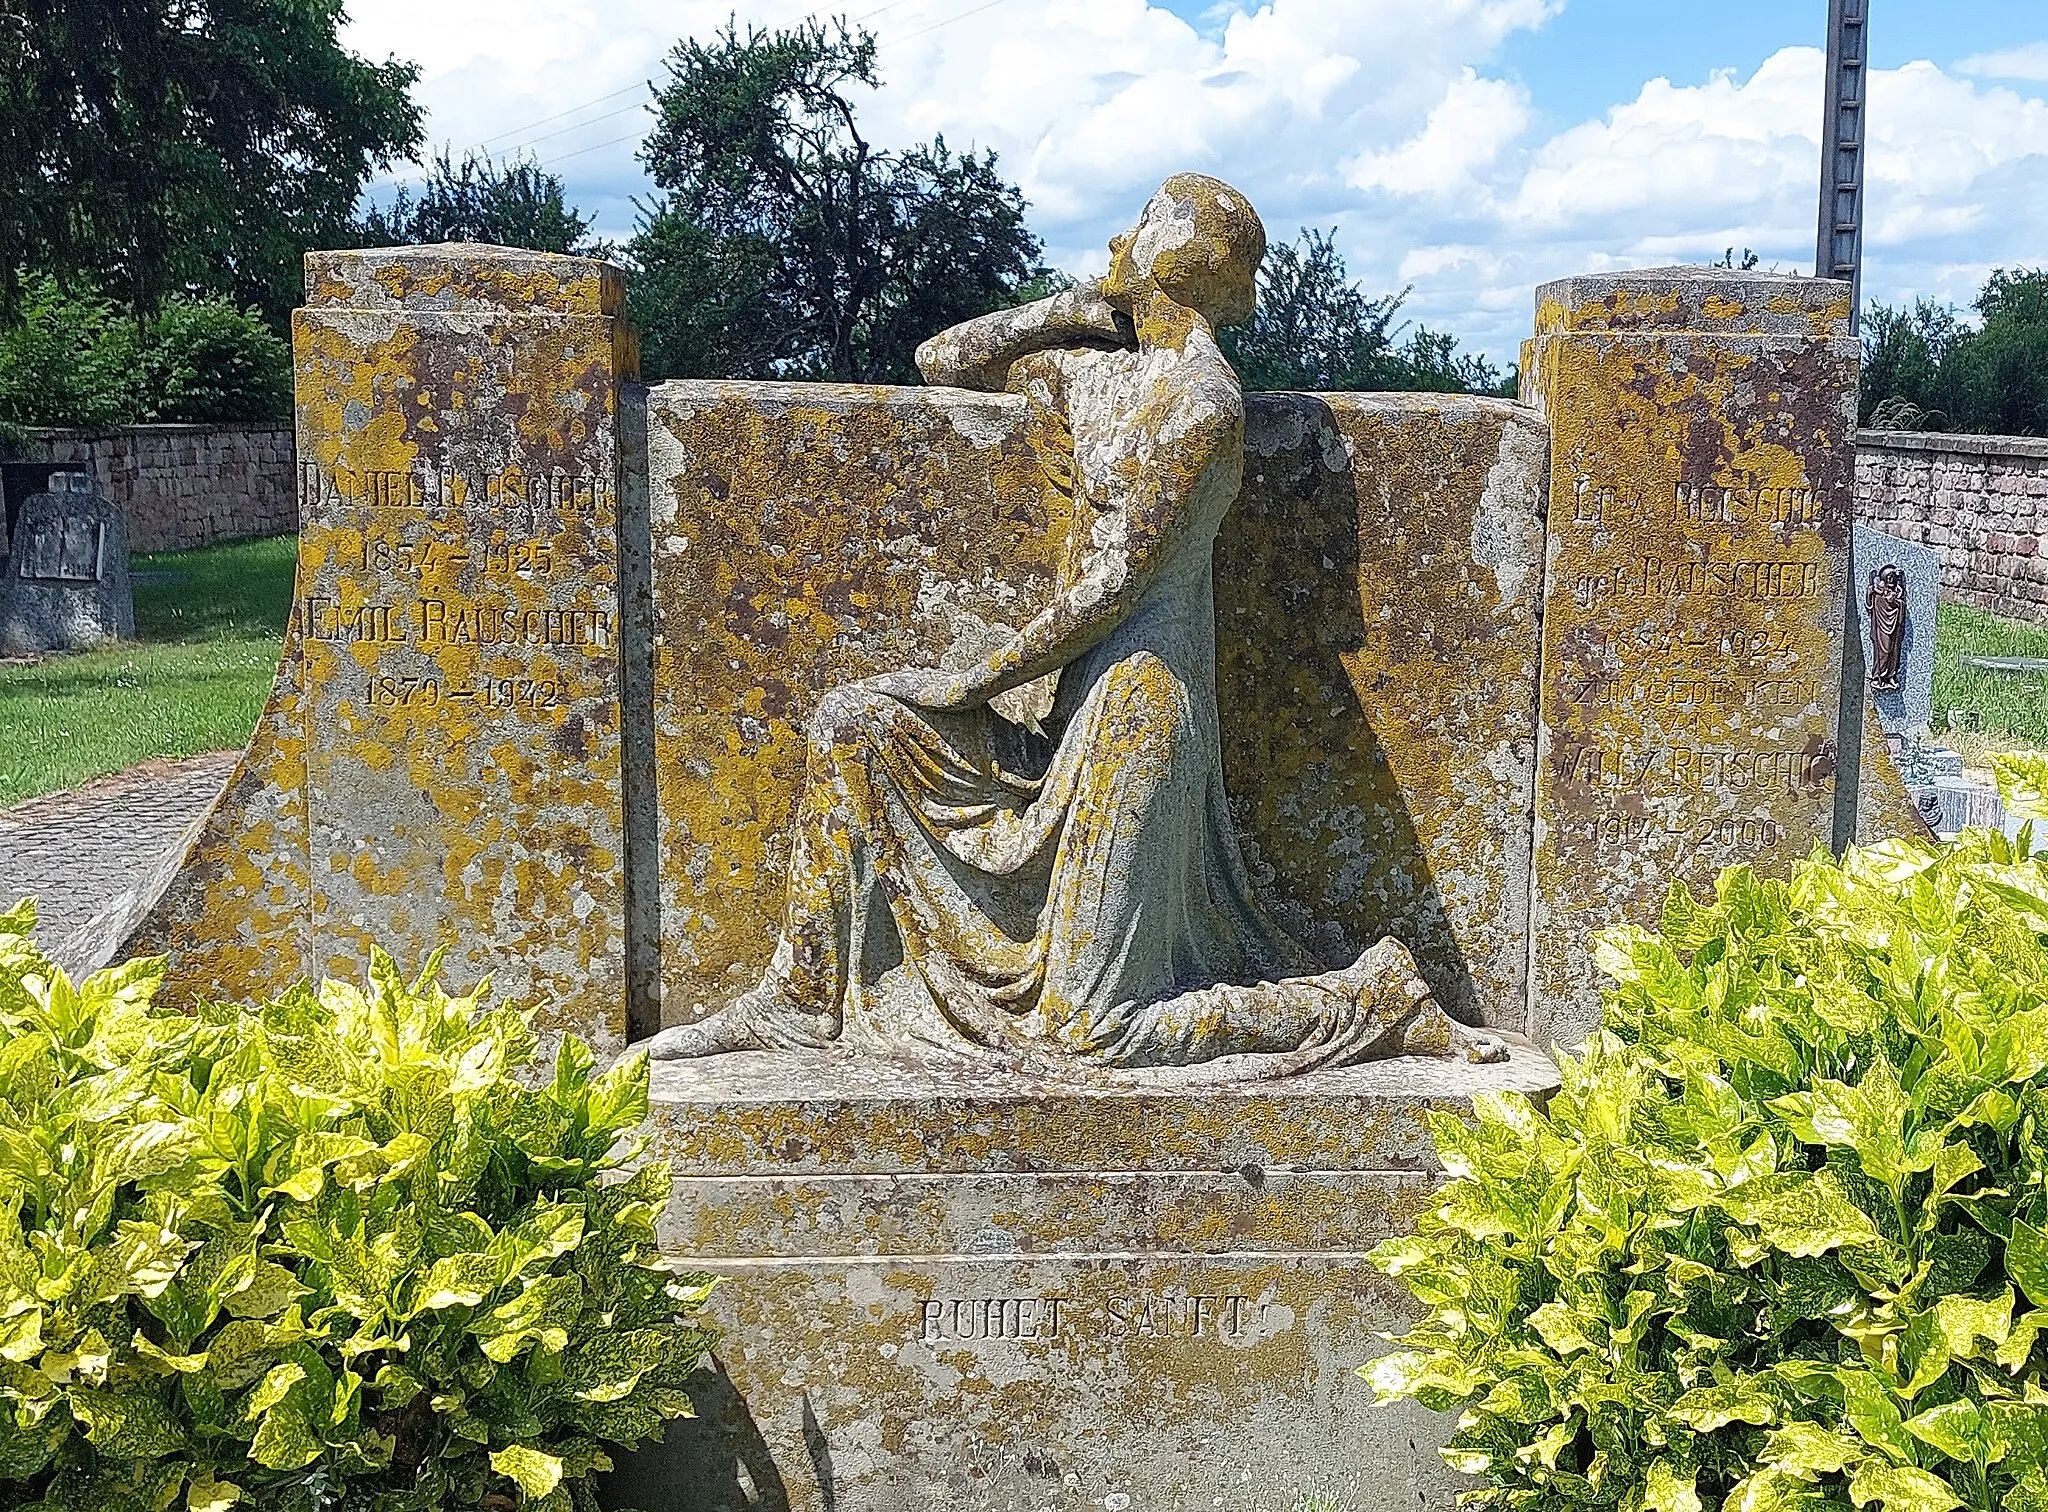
<point x="1467" y="149"/>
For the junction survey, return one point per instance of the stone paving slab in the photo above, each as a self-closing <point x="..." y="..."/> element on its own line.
<point x="74" y="852"/>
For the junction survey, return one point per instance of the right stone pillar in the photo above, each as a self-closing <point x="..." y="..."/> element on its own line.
<point x="1701" y="494"/>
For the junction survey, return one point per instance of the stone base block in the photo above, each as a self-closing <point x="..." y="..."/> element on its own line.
<point x="983" y="1293"/>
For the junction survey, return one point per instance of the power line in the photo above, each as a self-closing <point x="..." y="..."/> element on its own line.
<point x="937" y="25"/>
<point x="578" y="125"/>
<point x="516" y="130"/>
<point x="593" y="147"/>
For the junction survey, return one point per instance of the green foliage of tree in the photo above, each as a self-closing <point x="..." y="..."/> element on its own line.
<point x="1924" y="369"/>
<point x="204" y="361"/>
<point x="67" y="359"/>
<point x="335" y="1253"/>
<point x="1315" y="330"/>
<point x="511" y="204"/>
<point x="74" y="359"/>
<point x="784" y="244"/>
<point x="1781" y="1240"/>
<point x="159" y="146"/>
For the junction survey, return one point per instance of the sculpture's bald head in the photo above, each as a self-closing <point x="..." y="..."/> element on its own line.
<point x="1200" y="243"/>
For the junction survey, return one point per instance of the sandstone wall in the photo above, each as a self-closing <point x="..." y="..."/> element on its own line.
<point x="1981" y="501"/>
<point x="183" y="485"/>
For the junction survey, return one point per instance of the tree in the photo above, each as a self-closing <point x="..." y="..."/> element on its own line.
<point x="513" y="204"/>
<point x="1924" y="369"/>
<point x="1314" y="330"/>
<point x="784" y="244"/>
<point x="157" y="146"/>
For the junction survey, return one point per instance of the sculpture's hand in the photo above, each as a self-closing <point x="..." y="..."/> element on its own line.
<point x="1082" y="313"/>
<point x="929" y="688"/>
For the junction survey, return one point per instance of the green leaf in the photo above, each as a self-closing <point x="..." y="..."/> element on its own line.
<point x="205" y="1494"/>
<point x="1901" y="1488"/>
<point x="1955" y="1428"/>
<point x="2026" y="1260"/>
<point x="1809" y="1451"/>
<point x="1965" y="1320"/>
<point x="1874" y="1413"/>
<point x="1802" y="1215"/>
<point x="277" y="1385"/>
<point x="2023" y="782"/>
<point x="285" y="1440"/>
<point x="536" y="1474"/>
<point x="1711" y="1407"/>
<point x="1666" y="1489"/>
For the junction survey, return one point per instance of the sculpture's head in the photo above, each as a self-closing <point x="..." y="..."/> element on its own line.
<point x="1200" y="243"/>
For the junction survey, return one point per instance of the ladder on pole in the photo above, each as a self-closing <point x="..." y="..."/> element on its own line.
<point x="1843" y="150"/>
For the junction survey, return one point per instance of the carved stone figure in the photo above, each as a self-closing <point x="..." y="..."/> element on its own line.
<point x="1033" y="858"/>
<point x="1885" y="606"/>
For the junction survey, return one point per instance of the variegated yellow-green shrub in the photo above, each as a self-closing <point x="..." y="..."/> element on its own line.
<point x="326" y="1253"/>
<point x="1781" y="1240"/>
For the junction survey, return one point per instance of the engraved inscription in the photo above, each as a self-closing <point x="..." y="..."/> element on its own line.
<point x="1679" y="769"/>
<point x="70" y="549"/>
<point x="430" y="554"/>
<point x="451" y="622"/>
<point x="1747" y="581"/>
<point x="518" y="492"/>
<point x="1630" y="830"/>
<point x="960" y="1320"/>
<point x="1693" y="504"/>
<point x="492" y="693"/>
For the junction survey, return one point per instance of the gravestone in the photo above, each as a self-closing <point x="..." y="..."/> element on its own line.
<point x="546" y="698"/>
<point x="67" y="584"/>
<point x="1904" y="702"/>
<point x="1701" y="491"/>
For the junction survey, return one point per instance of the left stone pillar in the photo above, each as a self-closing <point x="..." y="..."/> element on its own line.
<point x="458" y="614"/>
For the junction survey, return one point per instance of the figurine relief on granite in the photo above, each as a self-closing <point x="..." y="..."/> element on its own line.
<point x="1885" y="603"/>
<point x="1064" y="893"/>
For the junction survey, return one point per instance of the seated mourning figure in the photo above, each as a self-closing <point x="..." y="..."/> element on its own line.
<point x="1065" y="893"/>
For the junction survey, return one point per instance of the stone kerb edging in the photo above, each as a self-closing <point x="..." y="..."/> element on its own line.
<point x="1950" y="441"/>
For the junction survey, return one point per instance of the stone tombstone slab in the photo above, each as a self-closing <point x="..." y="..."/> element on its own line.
<point x="1376" y="598"/>
<point x="457" y="609"/>
<point x="1909" y="708"/>
<point x="67" y="585"/>
<point x="1701" y="492"/>
<point x="993" y="1293"/>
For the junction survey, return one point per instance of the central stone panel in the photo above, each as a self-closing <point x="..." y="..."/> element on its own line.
<point x="1377" y="585"/>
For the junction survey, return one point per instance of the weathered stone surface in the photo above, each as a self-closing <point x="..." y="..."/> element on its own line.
<point x="1702" y="478"/>
<point x="458" y="610"/>
<point x="66" y="586"/>
<point x="805" y="536"/>
<point x="997" y="1294"/>
<point x="1909" y="707"/>
<point x="181" y="486"/>
<point x="1376" y="607"/>
<point x="439" y="764"/>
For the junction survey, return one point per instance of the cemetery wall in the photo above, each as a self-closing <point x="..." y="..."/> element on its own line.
<point x="1981" y="501"/>
<point x="180" y="486"/>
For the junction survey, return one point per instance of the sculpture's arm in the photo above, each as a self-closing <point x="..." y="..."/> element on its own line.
<point x="977" y="353"/>
<point x="1110" y="586"/>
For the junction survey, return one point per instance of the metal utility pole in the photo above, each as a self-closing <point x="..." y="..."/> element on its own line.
<point x="1844" y="142"/>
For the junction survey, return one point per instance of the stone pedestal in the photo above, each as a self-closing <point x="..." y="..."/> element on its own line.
<point x="982" y="1293"/>
<point x="1701" y="490"/>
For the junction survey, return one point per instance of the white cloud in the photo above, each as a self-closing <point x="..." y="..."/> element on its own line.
<point x="1466" y="132"/>
<point x="1392" y="120"/>
<point x="2026" y="62"/>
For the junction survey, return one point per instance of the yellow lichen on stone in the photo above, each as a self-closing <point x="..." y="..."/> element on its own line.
<point x="1700" y="498"/>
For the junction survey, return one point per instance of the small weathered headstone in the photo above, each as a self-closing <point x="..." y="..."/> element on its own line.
<point x="67" y="583"/>
<point x="1897" y="586"/>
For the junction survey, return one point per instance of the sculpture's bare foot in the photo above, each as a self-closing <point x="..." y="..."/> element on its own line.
<point x="762" y="1019"/>
<point x="1435" y="1032"/>
<point x="731" y="1028"/>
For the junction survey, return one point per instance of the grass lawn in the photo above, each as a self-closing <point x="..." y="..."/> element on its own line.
<point x="209" y="624"/>
<point x="2012" y="711"/>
